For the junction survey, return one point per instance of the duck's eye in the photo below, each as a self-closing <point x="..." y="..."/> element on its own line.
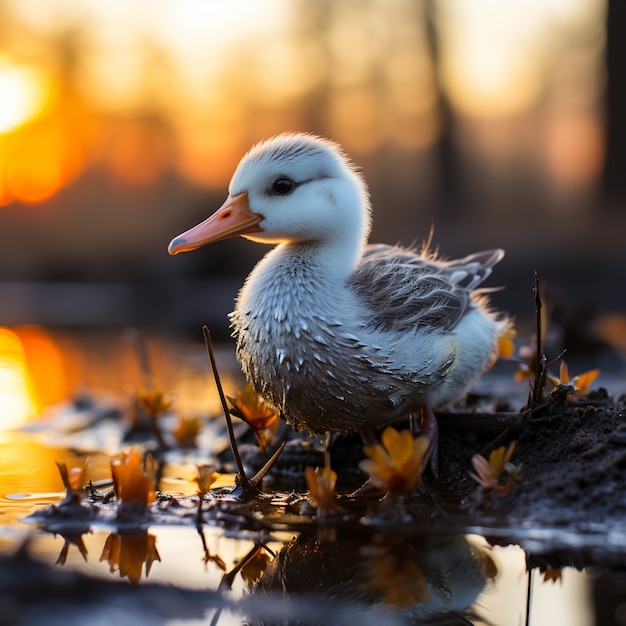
<point x="283" y="186"/>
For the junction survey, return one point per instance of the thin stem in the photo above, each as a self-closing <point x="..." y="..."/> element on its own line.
<point x="540" y="375"/>
<point x="529" y="591"/>
<point x="229" y="423"/>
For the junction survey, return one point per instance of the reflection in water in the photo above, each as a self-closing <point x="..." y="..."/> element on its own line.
<point x="72" y="539"/>
<point x="425" y="577"/>
<point x="364" y="580"/>
<point x="127" y="553"/>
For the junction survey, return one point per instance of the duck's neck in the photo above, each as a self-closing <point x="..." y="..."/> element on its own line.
<point x="306" y="272"/>
<point x="332" y="259"/>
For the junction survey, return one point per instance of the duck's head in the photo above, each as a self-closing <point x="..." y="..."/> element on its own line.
<point x="293" y="188"/>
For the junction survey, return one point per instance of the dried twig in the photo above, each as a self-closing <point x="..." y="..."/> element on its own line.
<point x="540" y="374"/>
<point x="244" y="482"/>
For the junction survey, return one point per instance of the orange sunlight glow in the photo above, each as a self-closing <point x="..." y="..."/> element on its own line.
<point x="18" y="402"/>
<point x="32" y="374"/>
<point x="38" y="159"/>
<point x="574" y="147"/>
<point x="45" y="363"/>
<point x="496" y="55"/>
<point x="26" y="91"/>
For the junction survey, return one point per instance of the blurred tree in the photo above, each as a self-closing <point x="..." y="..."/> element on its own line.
<point x="614" y="181"/>
<point x="448" y="178"/>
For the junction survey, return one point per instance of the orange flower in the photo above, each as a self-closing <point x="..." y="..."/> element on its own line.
<point x="206" y="477"/>
<point x="488" y="473"/>
<point x="73" y="481"/>
<point x="321" y="483"/>
<point x="131" y="482"/>
<point x="397" y="464"/>
<point x="128" y="552"/>
<point x="506" y="347"/>
<point x="153" y="401"/>
<point x="397" y="578"/>
<point x="186" y="431"/>
<point x="257" y="413"/>
<point x="582" y="381"/>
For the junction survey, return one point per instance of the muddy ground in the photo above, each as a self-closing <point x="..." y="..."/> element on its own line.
<point x="571" y="454"/>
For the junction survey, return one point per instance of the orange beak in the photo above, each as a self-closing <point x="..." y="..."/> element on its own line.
<point x="232" y="218"/>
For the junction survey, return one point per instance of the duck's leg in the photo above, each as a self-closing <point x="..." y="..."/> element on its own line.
<point x="429" y="427"/>
<point x="326" y="442"/>
<point x="368" y="435"/>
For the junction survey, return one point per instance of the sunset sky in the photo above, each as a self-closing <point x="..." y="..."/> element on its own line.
<point x="142" y="87"/>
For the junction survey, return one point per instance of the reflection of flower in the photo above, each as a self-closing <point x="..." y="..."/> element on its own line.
<point x="69" y="540"/>
<point x="321" y="483"/>
<point x="208" y="557"/>
<point x="397" y="577"/>
<point x="255" y="566"/>
<point x="133" y="484"/>
<point x="214" y="558"/>
<point x="258" y="414"/>
<point x="128" y="552"/>
<point x="398" y="463"/>
<point x="553" y="574"/>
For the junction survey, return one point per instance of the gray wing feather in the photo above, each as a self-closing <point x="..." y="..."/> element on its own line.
<point x="404" y="289"/>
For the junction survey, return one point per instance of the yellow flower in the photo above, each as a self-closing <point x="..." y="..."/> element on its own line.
<point x="257" y="413"/>
<point x="523" y="373"/>
<point x="206" y="477"/>
<point x="398" y="463"/>
<point x="488" y="473"/>
<point x="321" y="483"/>
<point x="153" y="401"/>
<point x="582" y="381"/>
<point x="186" y="431"/>
<point x="506" y="347"/>
<point x="131" y="482"/>
<point x="128" y="552"/>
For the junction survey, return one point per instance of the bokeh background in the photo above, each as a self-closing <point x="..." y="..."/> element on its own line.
<point x="500" y="123"/>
